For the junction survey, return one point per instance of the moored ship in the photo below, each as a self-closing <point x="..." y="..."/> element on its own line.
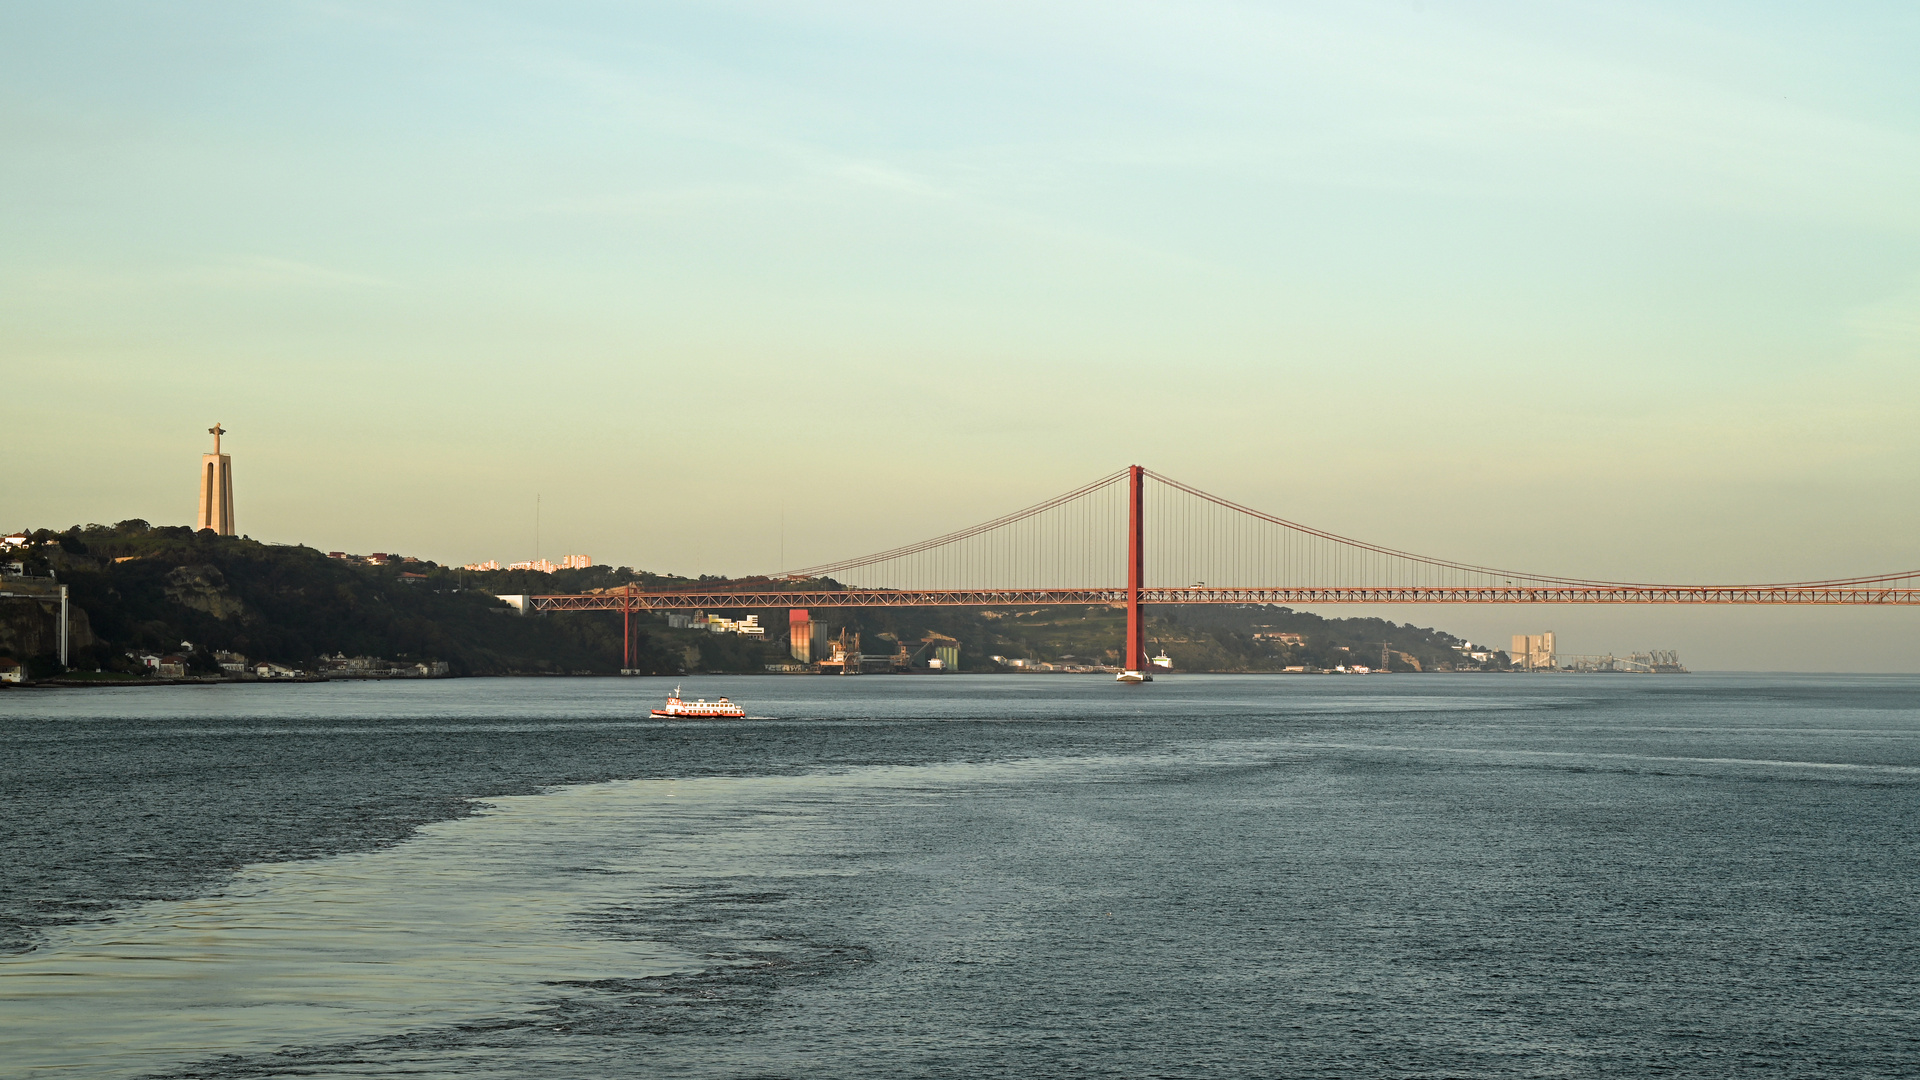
<point x="701" y="709"/>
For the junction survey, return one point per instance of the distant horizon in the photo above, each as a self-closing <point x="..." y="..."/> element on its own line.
<point x="1628" y="293"/>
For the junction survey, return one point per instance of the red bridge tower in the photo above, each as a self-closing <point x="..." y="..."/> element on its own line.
<point x="1135" y="666"/>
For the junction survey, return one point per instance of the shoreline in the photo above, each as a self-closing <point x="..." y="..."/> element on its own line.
<point x="94" y="684"/>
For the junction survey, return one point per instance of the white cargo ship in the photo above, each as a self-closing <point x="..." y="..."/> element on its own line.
<point x="701" y="709"/>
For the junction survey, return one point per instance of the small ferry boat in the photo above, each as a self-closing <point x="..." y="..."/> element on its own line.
<point x="699" y="710"/>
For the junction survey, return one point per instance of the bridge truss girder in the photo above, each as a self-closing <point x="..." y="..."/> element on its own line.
<point x="638" y="600"/>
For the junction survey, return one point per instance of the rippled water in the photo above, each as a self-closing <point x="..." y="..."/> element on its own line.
<point x="961" y="876"/>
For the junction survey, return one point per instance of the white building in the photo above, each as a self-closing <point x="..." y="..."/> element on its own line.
<point x="1533" y="652"/>
<point x="720" y="624"/>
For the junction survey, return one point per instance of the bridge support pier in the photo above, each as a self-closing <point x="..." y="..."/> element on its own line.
<point x="626" y="631"/>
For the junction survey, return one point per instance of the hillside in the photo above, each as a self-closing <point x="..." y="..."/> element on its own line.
<point x="141" y="588"/>
<point x="1223" y="639"/>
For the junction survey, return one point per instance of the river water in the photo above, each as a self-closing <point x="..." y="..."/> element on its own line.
<point x="1210" y="876"/>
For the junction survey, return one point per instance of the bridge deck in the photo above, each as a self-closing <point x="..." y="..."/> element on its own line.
<point x="638" y="600"/>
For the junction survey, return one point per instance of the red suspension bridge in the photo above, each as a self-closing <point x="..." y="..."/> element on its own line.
<point x="1103" y="542"/>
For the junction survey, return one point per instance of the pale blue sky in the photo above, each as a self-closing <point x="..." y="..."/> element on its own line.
<point x="1619" y="290"/>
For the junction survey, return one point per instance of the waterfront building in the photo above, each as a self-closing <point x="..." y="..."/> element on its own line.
<point x="1533" y="652"/>
<point x="800" y="635"/>
<point x="720" y="624"/>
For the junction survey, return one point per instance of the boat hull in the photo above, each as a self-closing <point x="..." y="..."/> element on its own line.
<point x="1133" y="677"/>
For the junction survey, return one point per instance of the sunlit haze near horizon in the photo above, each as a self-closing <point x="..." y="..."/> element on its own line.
<point x="1623" y="291"/>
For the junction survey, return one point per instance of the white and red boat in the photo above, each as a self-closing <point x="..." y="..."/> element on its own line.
<point x="699" y="710"/>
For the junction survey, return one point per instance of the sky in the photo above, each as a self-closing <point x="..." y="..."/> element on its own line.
<point x="1619" y="290"/>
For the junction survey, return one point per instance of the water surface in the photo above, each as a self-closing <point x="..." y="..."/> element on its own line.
<point x="965" y="876"/>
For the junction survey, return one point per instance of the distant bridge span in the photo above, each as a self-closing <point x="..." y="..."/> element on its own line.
<point x="1071" y="549"/>
<point x="664" y="600"/>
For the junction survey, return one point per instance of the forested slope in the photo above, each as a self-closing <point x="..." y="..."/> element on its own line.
<point x="145" y="588"/>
